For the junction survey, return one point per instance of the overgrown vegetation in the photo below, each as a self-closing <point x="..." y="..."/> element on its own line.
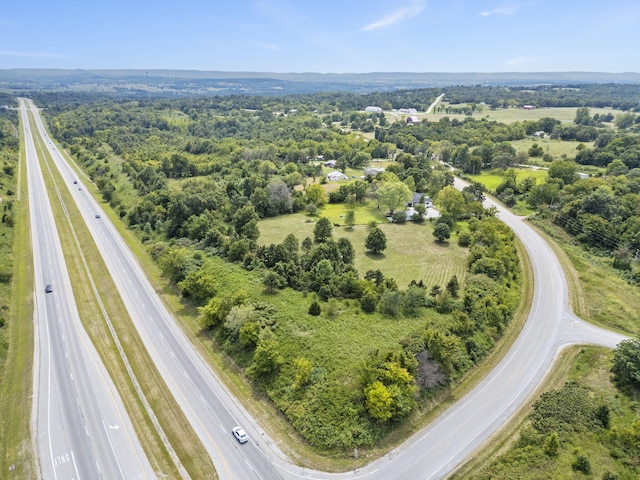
<point x="584" y="427"/>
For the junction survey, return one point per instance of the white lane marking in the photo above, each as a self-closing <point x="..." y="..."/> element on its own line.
<point x="112" y="449"/>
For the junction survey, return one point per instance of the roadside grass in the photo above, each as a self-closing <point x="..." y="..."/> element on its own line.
<point x="411" y="254"/>
<point x="596" y="291"/>
<point x="16" y="372"/>
<point x="181" y="437"/>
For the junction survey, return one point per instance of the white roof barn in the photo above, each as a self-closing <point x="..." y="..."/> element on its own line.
<point x="336" y="176"/>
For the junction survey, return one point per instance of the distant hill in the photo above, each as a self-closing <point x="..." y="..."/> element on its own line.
<point x="173" y="83"/>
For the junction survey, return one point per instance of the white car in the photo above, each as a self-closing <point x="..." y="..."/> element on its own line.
<point x="240" y="434"/>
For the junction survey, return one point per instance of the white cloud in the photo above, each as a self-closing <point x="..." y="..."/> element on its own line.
<point x="504" y="10"/>
<point x="404" y="13"/>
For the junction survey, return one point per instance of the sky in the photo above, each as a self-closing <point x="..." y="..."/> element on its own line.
<point x="325" y="36"/>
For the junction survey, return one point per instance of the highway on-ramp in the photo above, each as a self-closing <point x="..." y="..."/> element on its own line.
<point x="81" y="427"/>
<point x="431" y="453"/>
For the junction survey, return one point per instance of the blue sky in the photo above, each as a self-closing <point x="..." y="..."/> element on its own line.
<point x="338" y="36"/>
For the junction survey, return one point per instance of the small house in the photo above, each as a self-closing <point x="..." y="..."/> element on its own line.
<point x="331" y="163"/>
<point x="417" y="198"/>
<point x="336" y="176"/>
<point x="528" y="107"/>
<point x="412" y="120"/>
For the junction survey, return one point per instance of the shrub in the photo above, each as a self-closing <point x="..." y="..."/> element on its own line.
<point x="582" y="464"/>
<point x="315" y="309"/>
<point x="369" y="301"/>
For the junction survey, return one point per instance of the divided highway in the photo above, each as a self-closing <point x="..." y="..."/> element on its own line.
<point x="82" y="428"/>
<point x="432" y="453"/>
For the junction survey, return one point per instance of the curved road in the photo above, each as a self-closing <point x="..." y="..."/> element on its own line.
<point x="431" y="453"/>
<point x="82" y="428"/>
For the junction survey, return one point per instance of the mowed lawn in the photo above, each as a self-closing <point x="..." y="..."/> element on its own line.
<point x="411" y="254"/>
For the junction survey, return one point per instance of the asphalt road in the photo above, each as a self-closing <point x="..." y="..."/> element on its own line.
<point x="431" y="453"/>
<point x="82" y="428"/>
<point x="210" y="409"/>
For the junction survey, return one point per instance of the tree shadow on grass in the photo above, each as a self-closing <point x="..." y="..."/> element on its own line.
<point x="375" y="256"/>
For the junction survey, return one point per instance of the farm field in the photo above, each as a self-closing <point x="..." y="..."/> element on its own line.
<point x="511" y="115"/>
<point x="411" y="254"/>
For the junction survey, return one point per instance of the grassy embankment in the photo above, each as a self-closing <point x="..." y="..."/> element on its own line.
<point x="16" y="337"/>
<point x="78" y="248"/>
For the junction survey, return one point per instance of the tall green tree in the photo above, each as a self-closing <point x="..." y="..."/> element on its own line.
<point x="323" y="230"/>
<point x="350" y="218"/>
<point x="450" y="202"/>
<point x="393" y="195"/>
<point x="316" y="195"/>
<point x="376" y="241"/>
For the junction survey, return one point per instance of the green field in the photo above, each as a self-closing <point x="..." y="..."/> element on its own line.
<point x="510" y="115"/>
<point x="494" y="177"/>
<point x="411" y="254"/>
<point x="555" y="148"/>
